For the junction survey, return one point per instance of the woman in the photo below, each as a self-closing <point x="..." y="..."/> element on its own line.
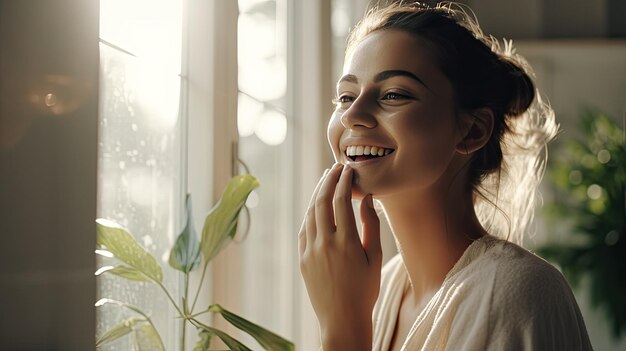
<point x="444" y="129"/>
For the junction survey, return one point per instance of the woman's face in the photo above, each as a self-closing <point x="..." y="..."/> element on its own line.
<point x="392" y="95"/>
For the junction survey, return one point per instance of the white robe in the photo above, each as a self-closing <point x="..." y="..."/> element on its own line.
<point x="498" y="296"/>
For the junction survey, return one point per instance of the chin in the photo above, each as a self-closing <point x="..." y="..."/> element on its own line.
<point x="359" y="190"/>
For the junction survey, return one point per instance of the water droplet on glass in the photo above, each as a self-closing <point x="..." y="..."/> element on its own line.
<point x="147" y="240"/>
<point x="166" y="256"/>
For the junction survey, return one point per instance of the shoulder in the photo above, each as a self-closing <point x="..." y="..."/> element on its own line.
<point x="519" y="283"/>
<point x="532" y="300"/>
<point x="512" y="270"/>
<point x="524" y="277"/>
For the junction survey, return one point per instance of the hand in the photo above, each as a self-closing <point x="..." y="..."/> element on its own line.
<point x="341" y="273"/>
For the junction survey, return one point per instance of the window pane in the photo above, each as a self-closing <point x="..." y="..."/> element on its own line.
<point x="139" y="163"/>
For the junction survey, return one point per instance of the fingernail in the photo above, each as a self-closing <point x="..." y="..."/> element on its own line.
<point x="370" y="201"/>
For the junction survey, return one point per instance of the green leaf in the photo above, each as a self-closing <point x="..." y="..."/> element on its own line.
<point x="124" y="271"/>
<point x="267" y="339"/>
<point x="118" y="331"/>
<point x="123" y="246"/>
<point x="205" y="340"/>
<point x="220" y="224"/>
<point x="232" y="343"/>
<point x="185" y="255"/>
<point x="147" y="338"/>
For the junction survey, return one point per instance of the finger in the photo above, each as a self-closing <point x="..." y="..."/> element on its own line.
<point x="371" y="231"/>
<point x="324" y="215"/>
<point x="308" y="230"/>
<point x="344" y="213"/>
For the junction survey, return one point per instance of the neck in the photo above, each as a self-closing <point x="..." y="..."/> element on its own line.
<point x="429" y="241"/>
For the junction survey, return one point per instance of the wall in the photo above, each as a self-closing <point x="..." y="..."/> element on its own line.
<point x="48" y="140"/>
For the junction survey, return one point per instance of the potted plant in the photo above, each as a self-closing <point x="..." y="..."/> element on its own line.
<point x="187" y="254"/>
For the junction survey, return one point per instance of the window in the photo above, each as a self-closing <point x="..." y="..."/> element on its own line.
<point x="284" y="105"/>
<point x="278" y="78"/>
<point x="141" y="172"/>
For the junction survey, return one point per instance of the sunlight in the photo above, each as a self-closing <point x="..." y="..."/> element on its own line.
<point x="154" y="41"/>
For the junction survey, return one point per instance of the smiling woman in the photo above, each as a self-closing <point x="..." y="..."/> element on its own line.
<point x="461" y="126"/>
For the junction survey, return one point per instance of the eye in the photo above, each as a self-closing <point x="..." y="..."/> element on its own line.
<point x="343" y="99"/>
<point x="394" y="96"/>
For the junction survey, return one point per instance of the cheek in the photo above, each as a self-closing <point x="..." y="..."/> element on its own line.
<point x="430" y="150"/>
<point x="333" y="133"/>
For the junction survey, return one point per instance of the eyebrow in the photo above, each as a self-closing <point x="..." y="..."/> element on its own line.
<point x="351" y="78"/>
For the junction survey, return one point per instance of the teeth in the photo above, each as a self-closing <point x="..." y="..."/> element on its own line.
<point x="361" y="150"/>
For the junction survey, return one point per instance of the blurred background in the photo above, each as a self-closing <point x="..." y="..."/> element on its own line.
<point x="117" y="109"/>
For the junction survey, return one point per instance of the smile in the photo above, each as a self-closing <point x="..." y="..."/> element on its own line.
<point x="364" y="153"/>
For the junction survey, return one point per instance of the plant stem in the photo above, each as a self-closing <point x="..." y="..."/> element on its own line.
<point x="199" y="314"/>
<point x="184" y="336"/>
<point x="171" y="299"/>
<point x="195" y="299"/>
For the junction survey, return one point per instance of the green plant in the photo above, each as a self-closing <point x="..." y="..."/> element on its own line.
<point x="589" y="176"/>
<point x="187" y="254"/>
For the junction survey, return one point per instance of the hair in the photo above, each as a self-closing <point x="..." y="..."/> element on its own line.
<point x="483" y="74"/>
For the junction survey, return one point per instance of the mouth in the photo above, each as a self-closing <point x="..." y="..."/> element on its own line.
<point x="364" y="153"/>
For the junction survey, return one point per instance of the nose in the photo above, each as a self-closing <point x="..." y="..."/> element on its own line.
<point x="358" y="114"/>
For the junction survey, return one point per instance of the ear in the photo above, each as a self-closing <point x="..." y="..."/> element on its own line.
<point x="475" y="130"/>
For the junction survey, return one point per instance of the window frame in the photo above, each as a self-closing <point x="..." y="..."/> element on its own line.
<point x="309" y="93"/>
